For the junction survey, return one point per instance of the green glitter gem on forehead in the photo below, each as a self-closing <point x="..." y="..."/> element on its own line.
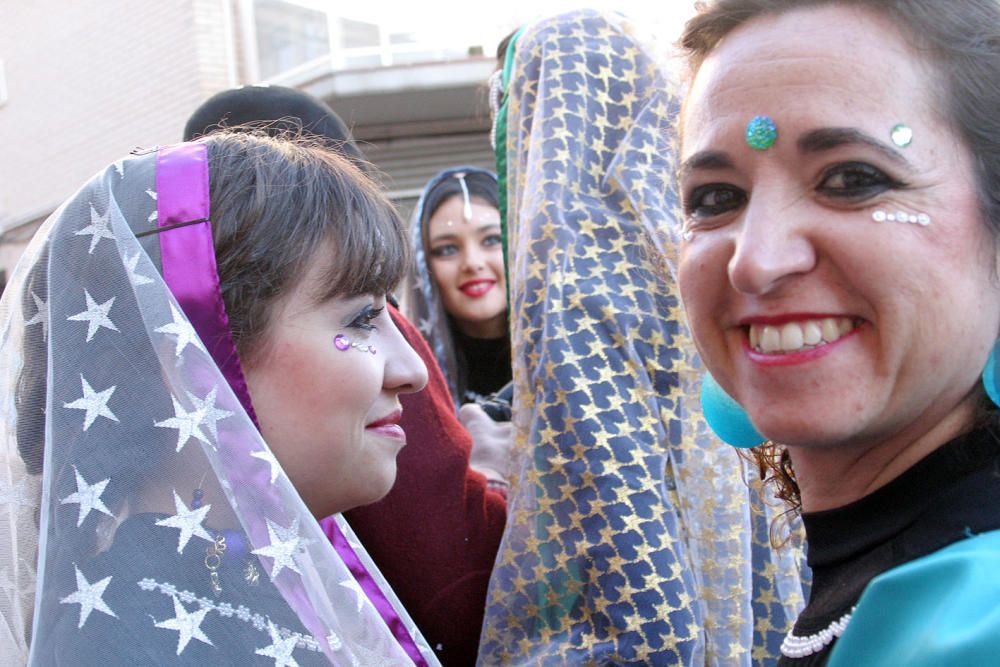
<point x="761" y="133"/>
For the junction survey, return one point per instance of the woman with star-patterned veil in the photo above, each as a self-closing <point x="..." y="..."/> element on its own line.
<point x="153" y="513"/>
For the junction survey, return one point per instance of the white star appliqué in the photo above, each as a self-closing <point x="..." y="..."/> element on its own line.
<point x="88" y="496"/>
<point x="188" y="624"/>
<point x="359" y="595"/>
<point x="131" y="265"/>
<point x="280" y="649"/>
<point x="426" y="328"/>
<point x="284" y="544"/>
<point x="88" y="596"/>
<point x="209" y="415"/>
<point x="98" y="228"/>
<point x="120" y="167"/>
<point x="94" y="402"/>
<point x="152" y="195"/>
<point x="181" y="328"/>
<point x="187" y="521"/>
<point x="266" y="456"/>
<point x="96" y="315"/>
<point x="333" y="641"/>
<point x="41" y="316"/>
<point x="186" y="423"/>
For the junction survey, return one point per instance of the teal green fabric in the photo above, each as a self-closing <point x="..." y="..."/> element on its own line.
<point x="942" y="609"/>
<point x="500" y="150"/>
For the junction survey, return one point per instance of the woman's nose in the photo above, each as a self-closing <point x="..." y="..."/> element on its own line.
<point x="771" y="245"/>
<point x="473" y="259"/>
<point x="405" y="371"/>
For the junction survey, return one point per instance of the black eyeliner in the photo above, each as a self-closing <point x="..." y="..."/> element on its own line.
<point x="878" y="181"/>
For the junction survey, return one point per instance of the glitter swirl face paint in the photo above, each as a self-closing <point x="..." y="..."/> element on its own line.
<point x="761" y="133"/>
<point x="343" y="343"/>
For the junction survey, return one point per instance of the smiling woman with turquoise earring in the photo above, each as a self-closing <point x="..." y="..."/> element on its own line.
<point x="839" y="270"/>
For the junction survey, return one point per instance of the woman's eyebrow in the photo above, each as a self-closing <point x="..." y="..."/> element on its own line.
<point x="829" y="138"/>
<point x="814" y="141"/>
<point x="710" y="159"/>
<point x="448" y="236"/>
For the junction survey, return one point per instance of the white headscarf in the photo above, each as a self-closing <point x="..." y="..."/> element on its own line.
<point x="144" y="519"/>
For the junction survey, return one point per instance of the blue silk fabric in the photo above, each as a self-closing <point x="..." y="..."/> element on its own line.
<point x="942" y="609"/>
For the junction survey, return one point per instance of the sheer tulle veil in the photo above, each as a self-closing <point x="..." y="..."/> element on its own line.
<point x="144" y="520"/>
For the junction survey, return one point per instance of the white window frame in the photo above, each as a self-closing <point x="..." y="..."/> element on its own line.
<point x="3" y="83"/>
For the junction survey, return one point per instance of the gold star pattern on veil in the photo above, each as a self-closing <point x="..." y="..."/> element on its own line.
<point x="629" y="529"/>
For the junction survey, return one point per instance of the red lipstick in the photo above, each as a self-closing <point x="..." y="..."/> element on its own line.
<point x="476" y="288"/>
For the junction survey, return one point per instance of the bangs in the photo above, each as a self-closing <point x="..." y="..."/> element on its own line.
<point x="371" y="250"/>
<point x="280" y="203"/>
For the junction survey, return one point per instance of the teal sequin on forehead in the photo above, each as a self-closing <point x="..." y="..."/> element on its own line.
<point x="761" y="133"/>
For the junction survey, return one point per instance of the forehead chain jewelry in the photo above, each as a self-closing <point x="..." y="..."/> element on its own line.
<point x="343" y="343"/>
<point x="466" y="199"/>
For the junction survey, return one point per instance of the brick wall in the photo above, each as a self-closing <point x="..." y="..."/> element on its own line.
<point x="89" y="81"/>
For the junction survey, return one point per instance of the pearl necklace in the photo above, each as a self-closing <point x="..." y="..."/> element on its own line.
<point x="799" y="647"/>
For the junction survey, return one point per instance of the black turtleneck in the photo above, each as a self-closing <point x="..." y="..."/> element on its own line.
<point x="951" y="494"/>
<point x="487" y="364"/>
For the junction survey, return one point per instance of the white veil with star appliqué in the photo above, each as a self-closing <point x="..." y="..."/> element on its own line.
<point x="143" y="518"/>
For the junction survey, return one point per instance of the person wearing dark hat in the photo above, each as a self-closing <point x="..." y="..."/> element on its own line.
<point x="439" y="520"/>
<point x="282" y="109"/>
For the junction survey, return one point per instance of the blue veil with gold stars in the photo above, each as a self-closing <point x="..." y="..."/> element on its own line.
<point x="633" y="537"/>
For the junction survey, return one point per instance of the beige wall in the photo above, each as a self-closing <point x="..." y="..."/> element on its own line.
<point x="88" y="81"/>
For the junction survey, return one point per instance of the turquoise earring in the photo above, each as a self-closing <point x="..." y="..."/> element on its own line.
<point x="990" y="376"/>
<point x="726" y="417"/>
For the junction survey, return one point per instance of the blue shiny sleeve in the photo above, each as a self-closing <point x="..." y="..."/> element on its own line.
<point x="942" y="609"/>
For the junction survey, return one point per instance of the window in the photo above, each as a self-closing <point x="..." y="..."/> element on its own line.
<point x="3" y="84"/>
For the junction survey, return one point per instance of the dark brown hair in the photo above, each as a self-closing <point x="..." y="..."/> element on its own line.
<point x="275" y="202"/>
<point x="960" y="41"/>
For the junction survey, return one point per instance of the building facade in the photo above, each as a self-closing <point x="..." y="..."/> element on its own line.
<point x="81" y="84"/>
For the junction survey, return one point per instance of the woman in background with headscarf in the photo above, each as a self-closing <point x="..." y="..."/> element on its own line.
<point x="459" y="290"/>
<point x="631" y="538"/>
<point x="459" y="296"/>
